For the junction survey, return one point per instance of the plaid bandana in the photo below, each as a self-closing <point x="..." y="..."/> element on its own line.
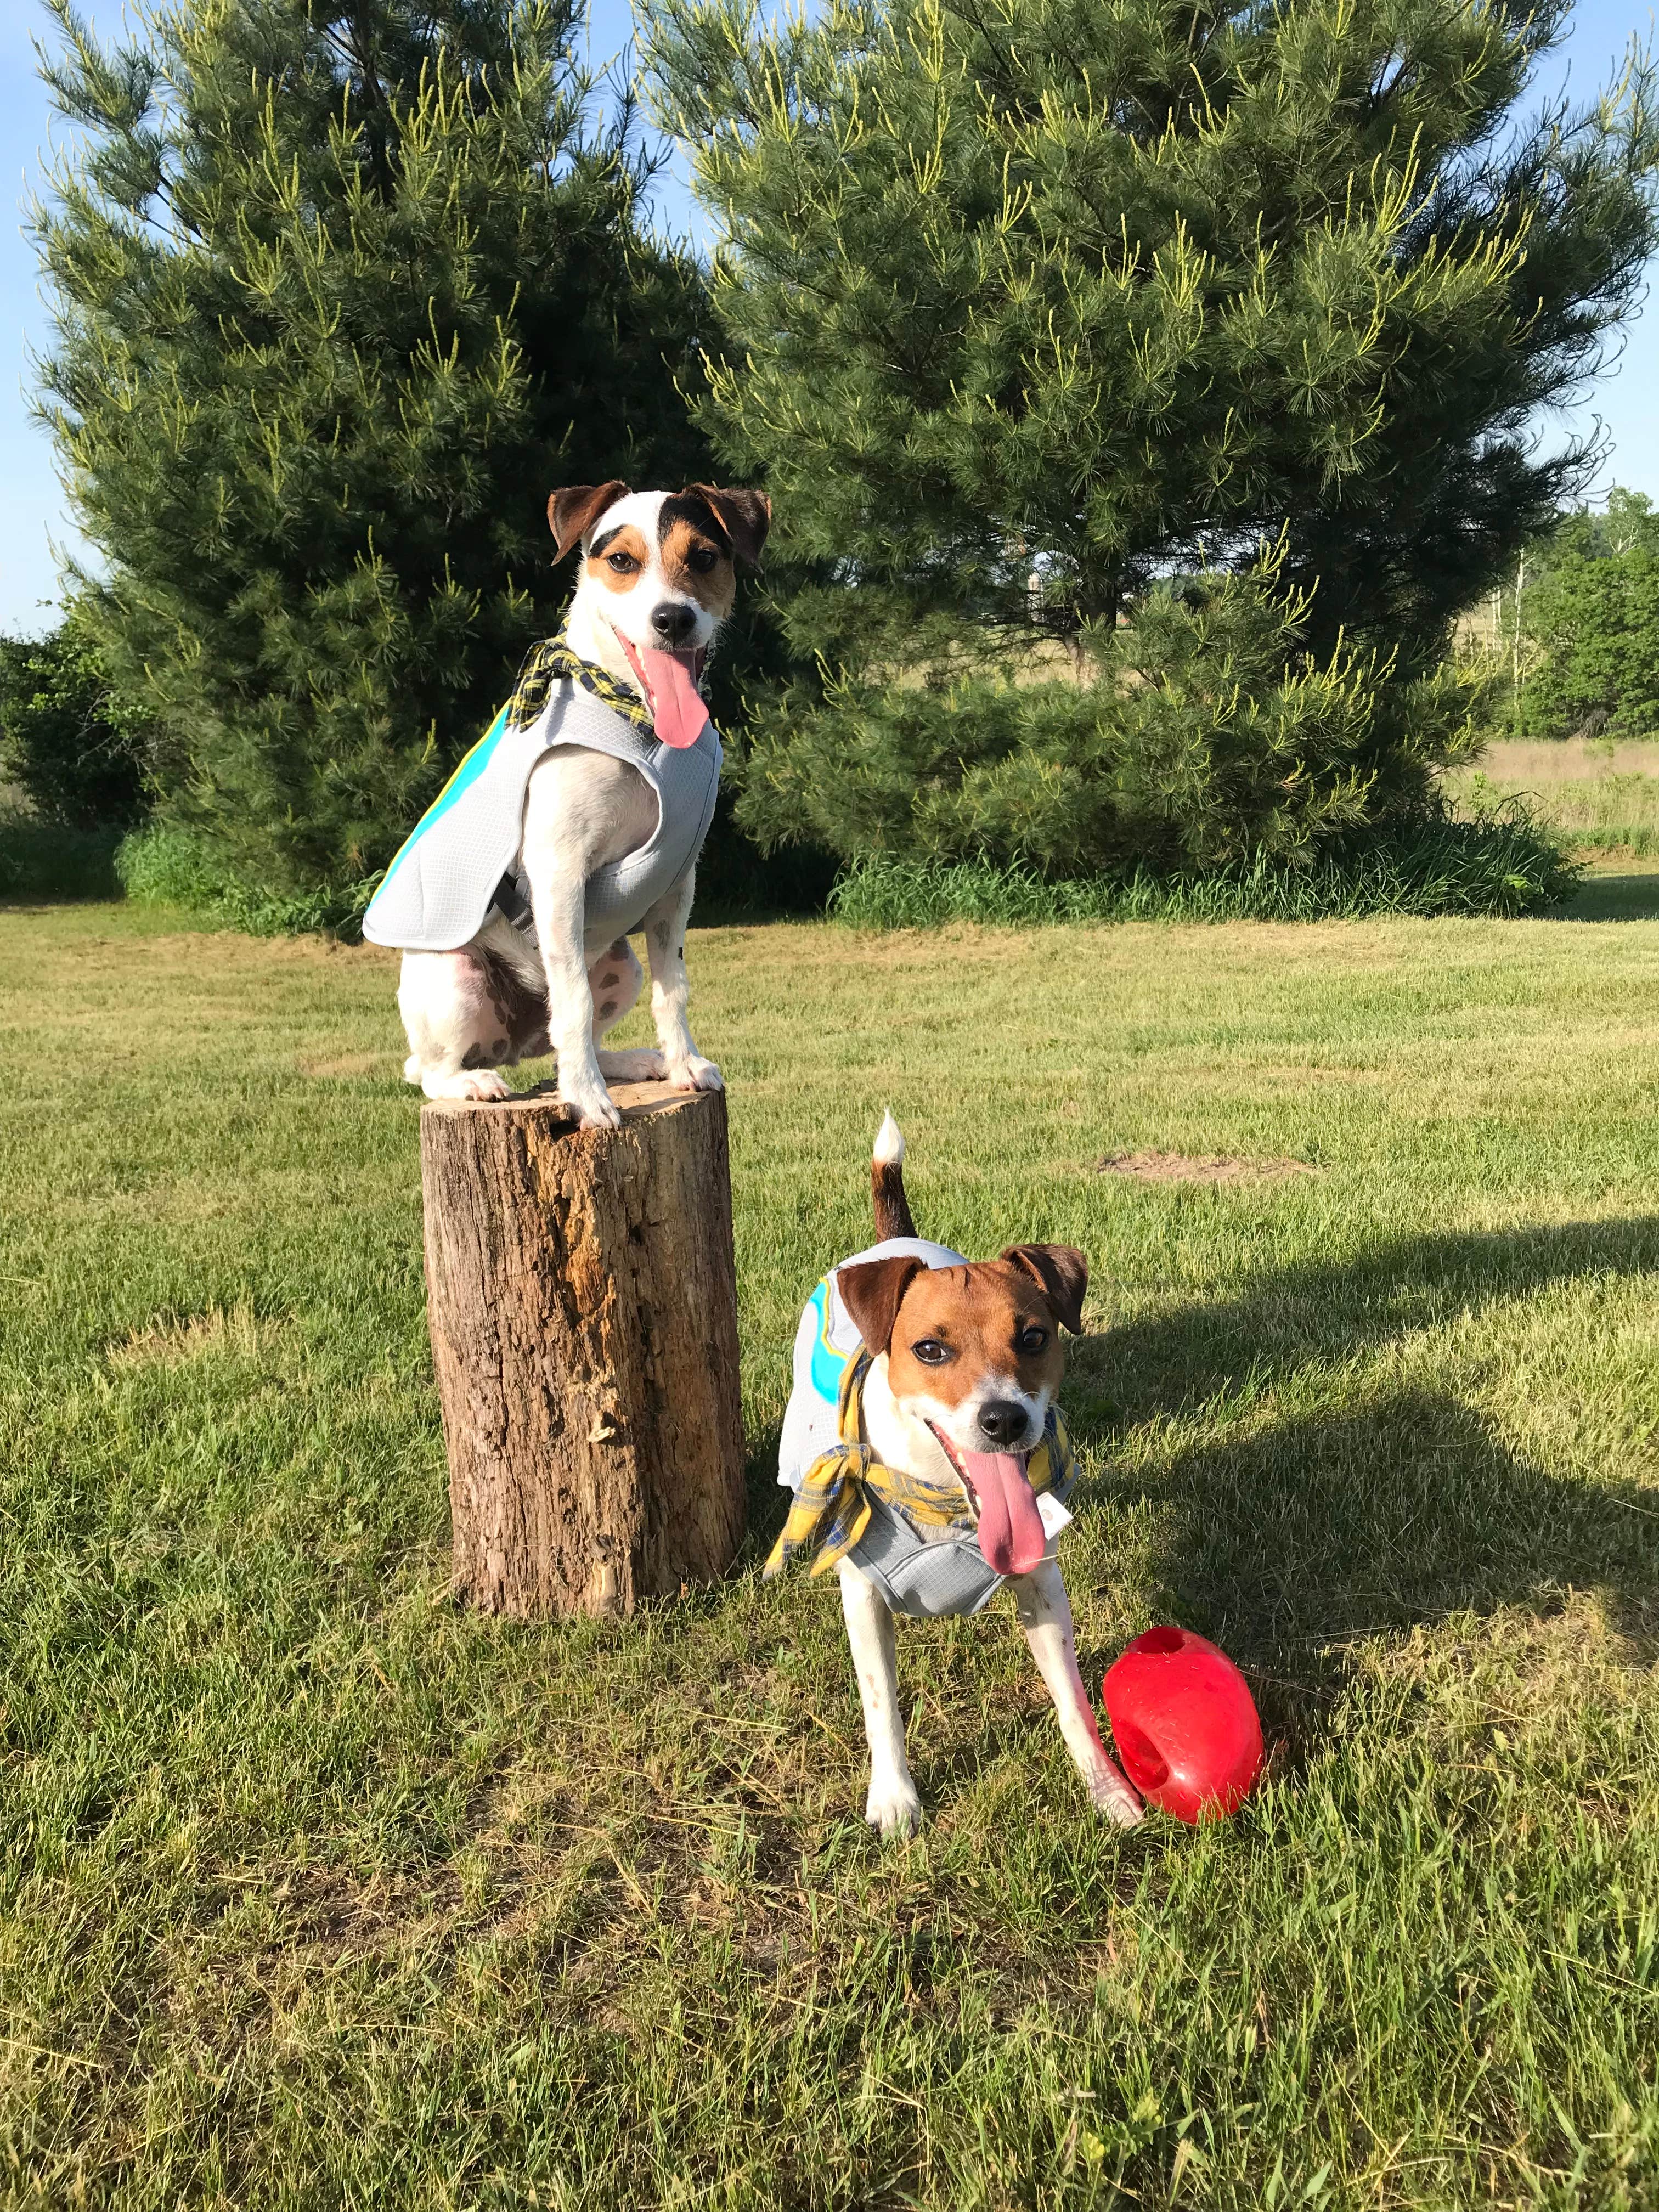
<point x="832" y="1506"/>
<point x="551" y="662"/>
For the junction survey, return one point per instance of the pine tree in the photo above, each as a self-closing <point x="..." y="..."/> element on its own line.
<point x="1026" y="303"/>
<point x="344" y="289"/>
<point x="1085" y="285"/>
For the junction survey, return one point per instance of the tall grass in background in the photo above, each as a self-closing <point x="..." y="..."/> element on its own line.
<point x="1592" y="795"/>
<point x="162" y="865"/>
<point x="1505" y="861"/>
<point x="1503" y="864"/>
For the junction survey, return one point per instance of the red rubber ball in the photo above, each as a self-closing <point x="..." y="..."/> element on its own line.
<point x="1188" y="1732"/>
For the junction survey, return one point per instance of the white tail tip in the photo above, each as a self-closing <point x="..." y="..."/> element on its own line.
<point x="889" y="1143"/>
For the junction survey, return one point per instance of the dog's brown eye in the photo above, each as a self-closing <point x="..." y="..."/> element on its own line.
<point x="623" y="563"/>
<point x="702" y="559"/>
<point x="1033" y="1339"/>
<point x="930" y="1352"/>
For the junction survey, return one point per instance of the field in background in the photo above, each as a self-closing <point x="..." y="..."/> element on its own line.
<point x="315" y="1892"/>
<point x="1601" y="794"/>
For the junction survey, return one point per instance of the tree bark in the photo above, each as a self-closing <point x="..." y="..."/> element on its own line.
<point x="582" y="1299"/>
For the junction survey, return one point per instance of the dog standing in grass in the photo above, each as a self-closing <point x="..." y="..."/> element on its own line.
<point x="929" y="1464"/>
<point x="577" y="818"/>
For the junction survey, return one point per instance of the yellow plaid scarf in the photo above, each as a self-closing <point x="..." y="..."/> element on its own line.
<point x="832" y="1505"/>
<point x="550" y="663"/>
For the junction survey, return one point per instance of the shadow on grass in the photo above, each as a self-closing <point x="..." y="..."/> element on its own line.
<point x="1633" y="897"/>
<point x="1400" y="1505"/>
<point x="1288" y="1545"/>
<point x="1326" y="1310"/>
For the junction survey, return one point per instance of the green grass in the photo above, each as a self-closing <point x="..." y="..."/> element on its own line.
<point x="318" y="1891"/>
<point x="1501" y="865"/>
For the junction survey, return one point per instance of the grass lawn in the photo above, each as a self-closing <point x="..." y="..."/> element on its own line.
<point x="318" y="1891"/>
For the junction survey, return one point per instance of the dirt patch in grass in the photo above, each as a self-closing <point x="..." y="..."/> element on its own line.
<point x="1198" y="1167"/>
<point x="173" y="1340"/>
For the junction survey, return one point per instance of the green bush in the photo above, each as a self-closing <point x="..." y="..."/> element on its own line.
<point x="1207" y="736"/>
<point x="1593" y="617"/>
<point x="44" y="859"/>
<point x="74" y="751"/>
<point x="735" y="882"/>
<point x="1020" y="305"/>
<point x="1502" y="867"/>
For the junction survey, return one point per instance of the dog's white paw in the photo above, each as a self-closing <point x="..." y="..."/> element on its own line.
<point x="893" y="1807"/>
<point x="635" y="1064"/>
<point x="594" y="1110"/>
<point x="470" y="1082"/>
<point x="696" y="1074"/>
<point x="1111" y="1795"/>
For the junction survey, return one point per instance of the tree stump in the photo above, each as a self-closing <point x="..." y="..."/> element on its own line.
<point x="582" y="1299"/>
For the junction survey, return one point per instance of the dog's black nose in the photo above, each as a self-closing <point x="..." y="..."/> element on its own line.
<point x="1003" y="1421"/>
<point x="674" y="621"/>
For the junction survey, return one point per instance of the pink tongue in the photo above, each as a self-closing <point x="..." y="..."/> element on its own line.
<point x="676" y="703"/>
<point x="1009" y="1527"/>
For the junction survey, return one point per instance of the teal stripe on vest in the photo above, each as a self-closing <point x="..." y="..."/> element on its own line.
<point x="829" y="1362"/>
<point x="469" y="771"/>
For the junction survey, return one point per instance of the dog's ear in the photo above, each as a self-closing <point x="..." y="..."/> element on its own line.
<point x="1062" y="1274"/>
<point x="745" y="517"/>
<point x="872" y="1293"/>
<point x="571" y="513"/>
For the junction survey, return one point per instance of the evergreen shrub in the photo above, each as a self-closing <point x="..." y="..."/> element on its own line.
<point x="1023" y="302"/>
<point x="1205" y="734"/>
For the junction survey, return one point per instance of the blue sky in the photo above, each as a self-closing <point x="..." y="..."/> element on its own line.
<point x="34" y="515"/>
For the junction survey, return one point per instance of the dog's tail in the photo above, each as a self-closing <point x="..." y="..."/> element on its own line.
<point x="887" y="1182"/>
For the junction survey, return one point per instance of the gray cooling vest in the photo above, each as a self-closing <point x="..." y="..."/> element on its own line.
<point x="944" y="1572"/>
<point x="438" y="892"/>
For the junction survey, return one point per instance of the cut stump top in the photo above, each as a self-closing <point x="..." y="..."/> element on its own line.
<point x="636" y="1101"/>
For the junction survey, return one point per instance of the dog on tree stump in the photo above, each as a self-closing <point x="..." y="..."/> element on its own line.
<point x="577" y="818"/>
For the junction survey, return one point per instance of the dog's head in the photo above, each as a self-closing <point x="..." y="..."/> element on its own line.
<point x="658" y="575"/>
<point x="974" y="1352"/>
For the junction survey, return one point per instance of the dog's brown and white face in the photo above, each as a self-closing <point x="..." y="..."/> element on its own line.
<point x="973" y="1353"/>
<point x="658" y="577"/>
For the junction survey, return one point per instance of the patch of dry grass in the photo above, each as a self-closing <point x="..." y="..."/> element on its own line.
<point x="1602" y="794"/>
<point x="1208" y="1168"/>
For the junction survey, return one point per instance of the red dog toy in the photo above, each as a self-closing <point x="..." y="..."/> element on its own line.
<point x="1187" y="1728"/>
